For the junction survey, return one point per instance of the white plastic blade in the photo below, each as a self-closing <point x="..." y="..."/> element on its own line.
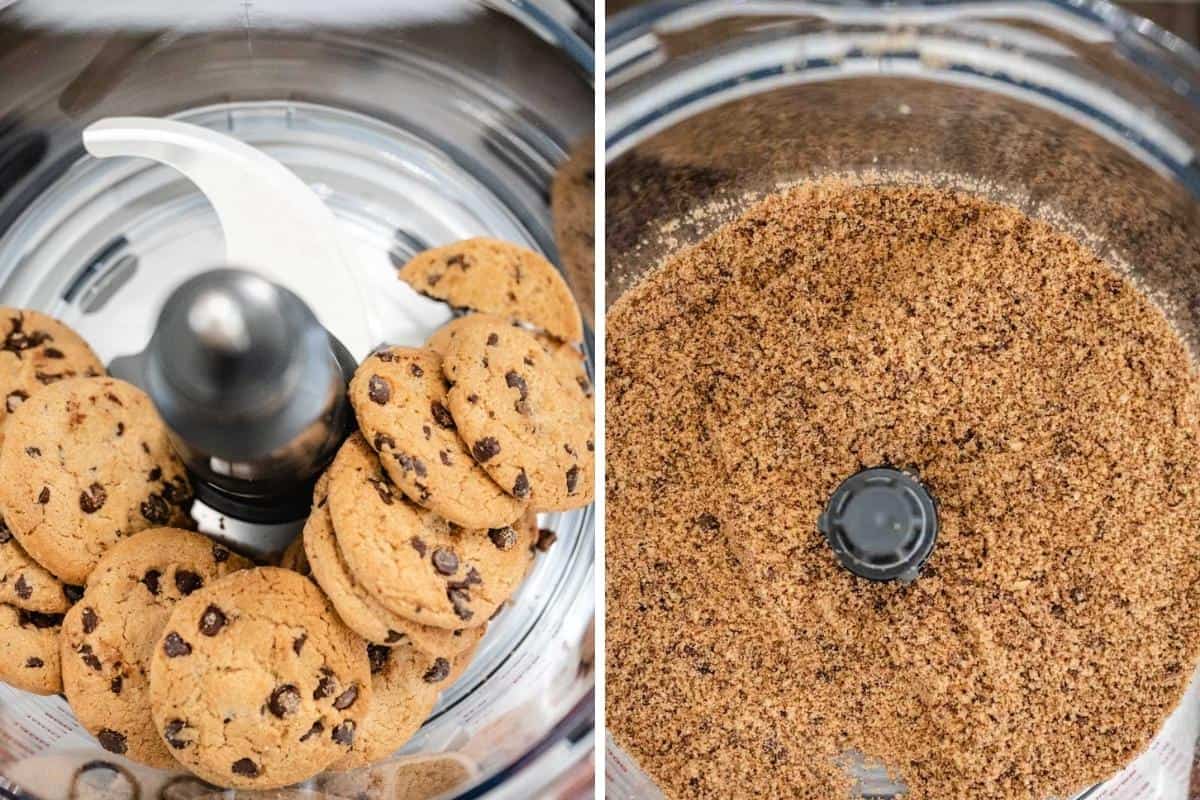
<point x="273" y="223"/>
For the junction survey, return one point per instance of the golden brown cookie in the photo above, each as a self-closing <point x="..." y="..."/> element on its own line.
<point x="415" y="563"/>
<point x="29" y="650"/>
<point x="108" y="637"/>
<point x="361" y="612"/>
<point x="529" y="429"/>
<point x="573" y="209"/>
<point x="564" y="356"/>
<point x="87" y="461"/>
<point x="499" y="278"/>
<point x="26" y="584"/>
<point x="255" y="682"/>
<point x="36" y="351"/>
<point x="399" y="398"/>
<point x="405" y="686"/>
<point x="294" y="558"/>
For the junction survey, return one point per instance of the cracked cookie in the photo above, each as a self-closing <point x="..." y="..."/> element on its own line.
<point x="35" y="351"/>
<point x="529" y="429"/>
<point x="500" y="278"/>
<point x="415" y="563"/>
<point x="361" y="612"/>
<point x="88" y="462"/>
<point x="29" y="650"/>
<point x="399" y="398"/>
<point x="26" y="584"/>
<point x="108" y="637"/>
<point x="405" y="685"/>
<point x="256" y="683"/>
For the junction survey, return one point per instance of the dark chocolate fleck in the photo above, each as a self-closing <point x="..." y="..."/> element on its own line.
<point x="316" y="728"/>
<point x="521" y="486"/>
<point x="14" y="400"/>
<point x="44" y="495"/>
<point x="212" y="621"/>
<point x="155" y="510"/>
<point x="150" y="579"/>
<point x="220" y="553"/>
<point x="346" y="699"/>
<point x="438" y="672"/>
<point x="485" y="448"/>
<point x="23" y="589"/>
<point x="33" y="452"/>
<point x="245" y="767"/>
<point x="88" y="656"/>
<point x="344" y="734"/>
<point x="285" y="700"/>
<point x="441" y="415"/>
<point x="445" y="561"/>
<point x="111" y="740"/>
<point x="325" y="686"/>
<point x="572" y="479"/>
<point x="33" y="662"/>
<point x="378" y="390"/>
<point x="378" y="656"/>
<point x="90" y="619"/>
<point x="174" y="645"/>
<point x="504" y="538"/>
<point x="416" y="370"/>
<point x="116" y="683"/>
<point x="171" y="734"/>
<point x="493" y="339"/>
<point x="92" y="499"/>
<point x="546" y="538"/>
<point x="298" y="643"/>
<point x="187" y="581"/>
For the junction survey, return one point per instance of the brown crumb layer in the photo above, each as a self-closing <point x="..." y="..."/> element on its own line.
<point x="1043" y="399"/>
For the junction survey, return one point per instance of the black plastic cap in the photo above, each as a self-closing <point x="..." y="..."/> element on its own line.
<point x="881" y="523"/>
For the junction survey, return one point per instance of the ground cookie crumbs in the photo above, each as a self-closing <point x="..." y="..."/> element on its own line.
<point x="1045" y="402"/>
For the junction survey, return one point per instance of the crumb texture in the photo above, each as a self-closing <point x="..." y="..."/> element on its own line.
<point x="1044" y="400"/>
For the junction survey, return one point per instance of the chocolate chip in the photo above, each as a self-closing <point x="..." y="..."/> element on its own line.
<point x="441" y="415"/>
<point x="393" y="636"/>
<point x="412" y="464"/>
<point x="572" y="479"/>
<point x="14" y="400"/>
<point x="344" y="734"/>
<point x="515" y="381"/>
<point x="53" y="352"/>
<point x="284" y="701"/>
<point x="5" y="533"/>
<point x="385" y="356"/>
<point x="461" y="600"/>
<point x="116" y="683"/>
<point x="426" y="431"/>
<point x="47" y="378"/>
<point x="326" y="686"/>
<point x="378" y="390"/>
<point x="150" y="579"/>
<point x="174" y="645"/>
<point x="416" y="370"/>
<point x="503" y="538"/>
<point x="155" y="510"/>
<point x="171" y="734"/>
<point x="591" y="447"/>
<point x="220" y="553"/>
<point x="44" y="495"/>
<point x="111" y="740"/>
<point x="316" y="728"/>
<point x="493" y="339"/>
<point x="444" y="457"/>
<point x="33" y="452"/>
<point x="187" y="581"/>
<point x="120" y="429"/>
<point x="177" y="492"/>
<point x="90" y="619"/>
<point x="382" y="440"/>
<point x="546" y="538"/>
<point x="245" y="767"/>
<point x="298" y="643"/>
<point x="445" y="561"/>
<point x="383" y="489"/>
<point x="377" y="656"/>
<point x="418" y="545"/>
<point x="33" y="662"/>
<point x="73" y="593"/>
<point x="472" y="398"/>
<point x="23" y="589"/>
<point x="346" y="699"/>
<point x="155" y="474"/>
<point x="485" y="449"/>
<point x="520" y="488"/>
<point x="438" y="672"/>
<point x="88" y="656"/>
<point x="212" y="621"/>
<point x="458" y="260"/>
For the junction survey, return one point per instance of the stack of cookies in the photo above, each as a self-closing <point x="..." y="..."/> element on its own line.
<point x="425" y="524"/>
<point x="180" y="653"/>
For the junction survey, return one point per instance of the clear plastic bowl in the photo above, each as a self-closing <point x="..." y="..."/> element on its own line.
<point x="1074" y="111"/>
<point x="418" y="124"/>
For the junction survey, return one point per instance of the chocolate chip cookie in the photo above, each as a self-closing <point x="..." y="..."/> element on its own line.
<point x="26" y="584"/>
<point x="255" y="682"/>
<point x="108" y="637"/>
<point x="399" y="398"/>
<point x="36" y="351"/>
<point x="87" y="462"/>
<point x="415" y="563"/>
<point x="29" y="650"/>
<point x="405" y="686"/>
<point x="528" y="428"/>
<point x="499" y="278"/>
<point x="361" y="612"/>
<point x="564" y="356"/>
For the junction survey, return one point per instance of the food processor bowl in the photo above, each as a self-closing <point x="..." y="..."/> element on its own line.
<point x="1075" y="112"/>
<point x="417" y="124"/>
